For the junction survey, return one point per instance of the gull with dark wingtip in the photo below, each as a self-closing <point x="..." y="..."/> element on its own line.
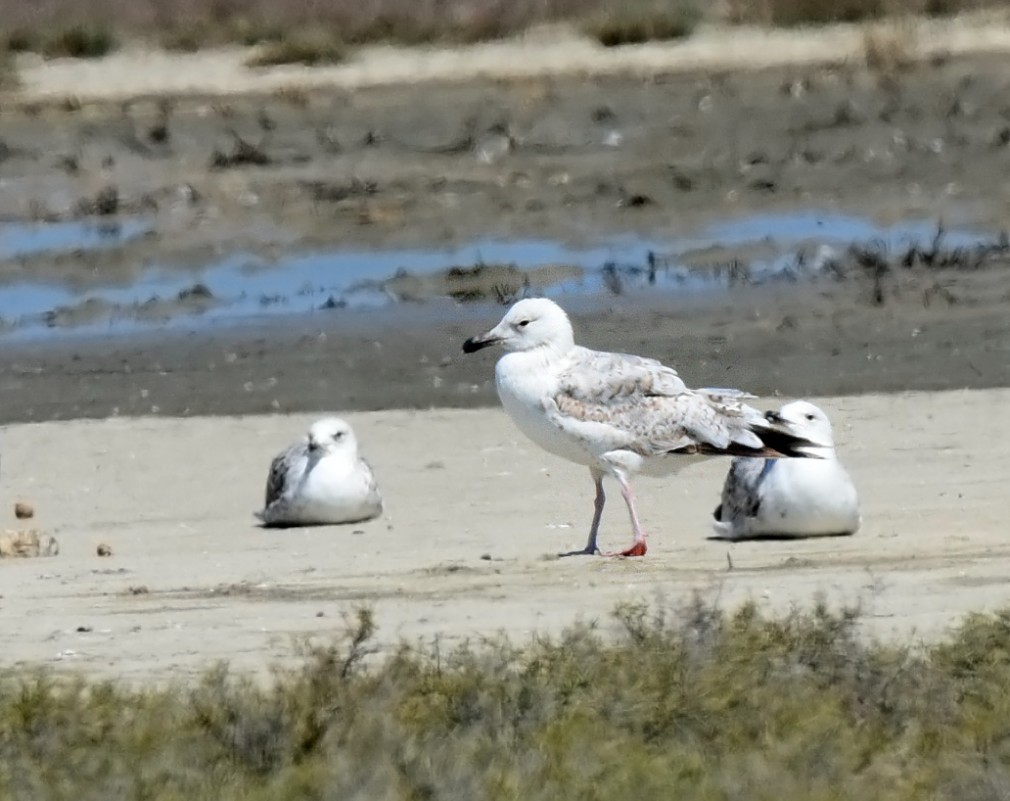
<point x="616" y="413"/>
<point x="786" y="497"/>
<point x="320" y="480"/>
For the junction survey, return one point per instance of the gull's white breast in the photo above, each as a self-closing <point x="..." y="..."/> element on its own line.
<point x="525" y="380"/>
<point x="809" y="496"/>
<point x="339" y="486"/>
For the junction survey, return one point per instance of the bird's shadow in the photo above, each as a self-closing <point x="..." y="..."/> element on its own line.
<point x="579" y="552"/>
<point x="778" y="537"/>
<point x="287" y="526"/>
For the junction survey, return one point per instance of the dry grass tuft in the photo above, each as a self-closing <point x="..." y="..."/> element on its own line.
<point x="788" y="13"/>
<point x="80" y="41"/>
<point x="890" y="47"/>
<point x="636" y="22"/>
<point x="818" y="12"/>
<point x="62" y="41"/>
<point x="21" y="41"/>
<point x="304" y="48"/>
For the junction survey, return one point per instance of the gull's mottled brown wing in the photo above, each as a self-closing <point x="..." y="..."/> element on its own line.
<point x="741" y="492"/>
<point x="280" y="471"/>
<point x="372" y="484"/>
<point x="627" y="402"/>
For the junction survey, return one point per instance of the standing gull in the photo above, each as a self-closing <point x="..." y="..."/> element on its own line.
<point x="790" y="497"/>
<point x="616" y="413"/>
<point x="321" y="479"/>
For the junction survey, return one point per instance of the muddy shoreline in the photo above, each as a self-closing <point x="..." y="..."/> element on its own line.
<point x="790" y="341"/>
<point x="565" y="159"/>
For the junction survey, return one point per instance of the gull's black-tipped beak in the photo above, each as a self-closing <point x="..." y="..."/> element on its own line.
<point x="479" y="342"/>
<point x="313" y="446"/>
<point x="774" y="417"/>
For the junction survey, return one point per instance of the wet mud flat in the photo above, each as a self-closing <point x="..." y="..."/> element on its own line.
<point x="183" y="185"/>
<point x="924" y="331"/>
<point x="560" y="158"/>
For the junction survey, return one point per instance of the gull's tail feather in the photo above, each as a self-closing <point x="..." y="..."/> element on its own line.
<point x="774" y="441"/>
<point x="780" y="441"/>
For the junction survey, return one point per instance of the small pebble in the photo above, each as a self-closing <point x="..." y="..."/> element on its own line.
<point x="104" y="550"/>
<point x="23" y="511"/>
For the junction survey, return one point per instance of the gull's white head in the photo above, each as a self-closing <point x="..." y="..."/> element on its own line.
<point x="806" y="420"/>
<point x="531" y="323"/>
<point x="331" y="435"/>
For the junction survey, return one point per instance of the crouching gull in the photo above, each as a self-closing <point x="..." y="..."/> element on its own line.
<point x="616" y="413"/>
<point x="790" y="497"/>
<point x="321" y="479"/>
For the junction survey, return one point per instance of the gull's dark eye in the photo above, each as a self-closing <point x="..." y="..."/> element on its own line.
<point x="338" y="435"/>
<point x="810" y="417"/>
<point x="523" y="323"/>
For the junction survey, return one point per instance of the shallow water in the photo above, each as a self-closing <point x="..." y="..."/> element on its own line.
<point x="832" y="228"/>
<point x="28" y="239"/>
<point x="245" y="287"/>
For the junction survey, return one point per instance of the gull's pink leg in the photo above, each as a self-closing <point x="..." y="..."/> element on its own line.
<point x="591" y="547"/>
<point x="638" y="547"/>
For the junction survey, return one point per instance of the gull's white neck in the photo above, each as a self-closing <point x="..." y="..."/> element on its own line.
<point x="527" y="382"/>
<point x="525" y="377"/>
<point x="537" y="363"/>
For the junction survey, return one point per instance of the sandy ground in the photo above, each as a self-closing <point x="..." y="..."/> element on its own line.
<point x="475" y="516"/>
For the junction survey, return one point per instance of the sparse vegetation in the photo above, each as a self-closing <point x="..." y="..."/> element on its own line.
<point x="890" y="48"/>
<point x="191" y="24"/>
<point x="817" y="12"/>
<point x="695" y="704"/>
<point x="21" y="41"/>
<point x="310" y="49"/>
<point x="74" y="41"/>
<point x="306" y="31"/>
<point x="80" y="41"/>
<point x="636" y="22"/>
<point x="788" y="13"/>
<point x="187" y="39"/>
